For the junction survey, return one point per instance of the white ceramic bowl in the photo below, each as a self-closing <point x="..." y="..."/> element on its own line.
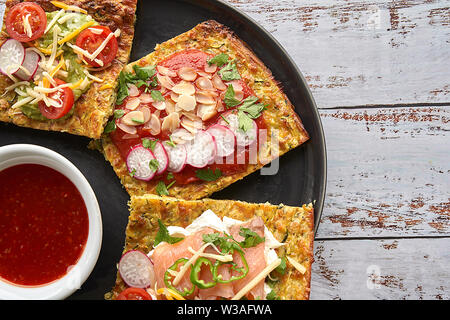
<point x="15" y="154"/>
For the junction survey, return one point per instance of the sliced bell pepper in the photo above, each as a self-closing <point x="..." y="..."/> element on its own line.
<point x="195" y="273"/>
<point x="168" y="278"/>
<point x="243" y="271"/>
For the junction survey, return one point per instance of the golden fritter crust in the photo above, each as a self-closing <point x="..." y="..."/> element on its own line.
<point x="290" y="225"/>
<point x="214" y="38"/>
<point x="94" y="107"/>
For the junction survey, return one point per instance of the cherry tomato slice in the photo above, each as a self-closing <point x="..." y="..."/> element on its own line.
<point x="134" y="294"/>
<point x="64" y="96"/>
<point x="18" y="14"/>
<point x="90" y="40"/>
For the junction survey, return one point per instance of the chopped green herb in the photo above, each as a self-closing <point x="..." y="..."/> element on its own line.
<point x="133" y="172"/>
<point x="164" y="236"/>
<point x="219" y="59"/>
<point x="272" y="296"/>
<point x="118" y="113"/>
<point x="161" y="189"/>
<point x="245" y="122"/>
<point x="229" y="72"/>
<point x="144" y="73"/>
<point x="208" y="174"/>
<point x="149" y="143"/>
<point x="154" y="165"/>
<point x="171" y="143"/>
<point x="157" y="95"/>
<point x="282" y="267"/>
<point x="229" y="97"/>
<point x="110" y="126"/>
<point x="251" y="238"/>
<point x="170" y="176"/>
<point x="138" y="121"/>
<point x="224" y="119"/>
<point x="171" y="184"/>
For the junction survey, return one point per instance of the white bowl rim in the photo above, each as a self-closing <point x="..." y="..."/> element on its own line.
<point x="15" y="154"/>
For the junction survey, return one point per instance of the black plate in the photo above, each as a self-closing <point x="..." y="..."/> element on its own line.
<point x="302" y="172"/>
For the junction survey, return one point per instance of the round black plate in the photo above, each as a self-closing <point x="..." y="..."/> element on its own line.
<point x="301" y="176"/>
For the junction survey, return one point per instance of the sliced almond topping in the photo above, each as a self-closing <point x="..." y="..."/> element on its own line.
<point x="204" y="83"/>
<point x="160" y="105"/>
<point x="204" y="74"/>
<point x="133" y="103"/>
<point x="184" y="87"/>
<point x="218" y="83"/>
<point x="180" y="136"/>
<point x="206" y="111"/>
<point x="205" y="97"/>
<point x="239" y="95"/>
<point x="170" y="106"/>
<point x="133" y="91"/>
<point x="192" y="116"/>
<point x="236" y="86"/>
<point x="126" y="128"/>
<point x="220" y="106"/>
<point x="186" y="102"/>
<point x="133" y="118"/>
<point x="166" y="71"/>
<point x="165" y="81"/>
<point x="147" y="113"/>
<point x="174" y="96"/>
<point x="187" y="73"/>
<point x="210" y="68"/>
<point x="130" y="136"/>
<point x="146" y="98"/>
<point x="171" y="122"/>
<point x="154" y="125"/>
<point x="191" y="126"/>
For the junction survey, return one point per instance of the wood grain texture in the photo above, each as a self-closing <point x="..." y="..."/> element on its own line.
<point x="356" y="53"/>
<point x="381" y="269"/>
<point x="388" y="172"/>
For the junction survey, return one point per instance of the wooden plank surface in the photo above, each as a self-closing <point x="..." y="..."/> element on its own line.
<point x="388" y="172"/>
<point x="356" y="53"/>
<point x="381" y="269"/>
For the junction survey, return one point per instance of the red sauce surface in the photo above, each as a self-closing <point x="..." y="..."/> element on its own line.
<point x="43" y="224"/>
<point x="188" y="58"/>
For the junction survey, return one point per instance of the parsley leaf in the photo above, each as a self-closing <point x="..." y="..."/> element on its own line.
<point x="170" y="176"/>
<point x="229" y="97"/>
<point x="144" y="73"/>
<point x="229" y="72"/>
<point x="272" y="296"/>
<point x="132" y="172"/>
<point x="164" y="236"/>
<point x="219" y="59"/>
<point x="157" y="95"/>
<point x="223" y="242"/>
<point x="149" y="143"/>
<point x="251" y="238"/>
<point x="154" y="165"/>
<point x="208" y="174"/>
<point x="118" y="113"/>
<point x="245" y="122"/>
<point x="161" y="188"/>
<point x="110" y="126"/>
<point x="282" y="267"/>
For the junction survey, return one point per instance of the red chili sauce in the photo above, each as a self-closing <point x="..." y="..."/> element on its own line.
<point x="195" y="59"/>
<point x="43" y="224"/>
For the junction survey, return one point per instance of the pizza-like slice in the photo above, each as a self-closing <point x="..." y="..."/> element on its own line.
<point x="197" y="114"/>
<point x="215" y="249"/>
<point x="60" y="60"/>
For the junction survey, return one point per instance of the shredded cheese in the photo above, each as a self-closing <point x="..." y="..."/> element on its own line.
<point x="73" y="34"/>
<point x="297" y="265"/>
<point x="22" y="102"/>
<point x="67" y="17"/>
<point x="64" y="6"/>
<point x="103" y="45"/>
<point x="105" y="86"/>
<point x="76" y="84"/>
<point x="27" y="25"/>
<point x="186" y="266"/>
<point x="56" y="31"/>
<point x="15" y="85"/>
<point x="261" y="276"/>
<point x="55" y="18"/>
<point x="83" y="52"/>
<point x="90" y="76"/>
<point x="220" y="257"/>
<point x="170" y="294"/>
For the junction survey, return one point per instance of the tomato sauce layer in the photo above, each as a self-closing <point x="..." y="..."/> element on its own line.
<point x="43" y="224"/>
<point x="195" y="59"/>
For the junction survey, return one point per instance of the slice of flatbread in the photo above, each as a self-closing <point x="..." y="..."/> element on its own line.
<point x="292" y="226"/>
<point x="92" y="110"/>
<point x="281" y="121"/>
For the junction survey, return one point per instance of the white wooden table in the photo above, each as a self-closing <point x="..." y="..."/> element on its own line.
<point x="380" y="73"/>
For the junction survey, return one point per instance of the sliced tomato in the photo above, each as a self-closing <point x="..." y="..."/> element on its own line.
<point x="90" y="39"/>
<point x="63" y="96"/>
<point x="26" y="11"/>
<point x="134" y="294"/>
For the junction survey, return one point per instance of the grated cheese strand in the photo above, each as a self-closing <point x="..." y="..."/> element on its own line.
<point x="64" y="6"/>
<point x="186" y="266"/>
<point x="220" y="257"/>
<point x="261" y="276"/>
<point x="21" y="102"/>
<point x="27" y="25"/>
<point x="297" y="265"/>
<point x="76" y="32"/>
<point x="55" y="18"/>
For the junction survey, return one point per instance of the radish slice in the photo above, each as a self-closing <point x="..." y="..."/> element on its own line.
<point x="12" y="55"/>
<point x="138" y="163"/>
<point x="177" y="157"/>
<point x="31" y="63"/>
<point x="201" y="150"/>
<point x="136" y="269"/>
<point x="225" y="139"/>
<point x="243" y="138"/>
<point x="160" y="154"/>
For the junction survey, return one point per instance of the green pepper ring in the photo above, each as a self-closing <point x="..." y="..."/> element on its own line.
<point x="217" y="264"/>
<point x="168" y="276"/>
<point x="196" y="271"/>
